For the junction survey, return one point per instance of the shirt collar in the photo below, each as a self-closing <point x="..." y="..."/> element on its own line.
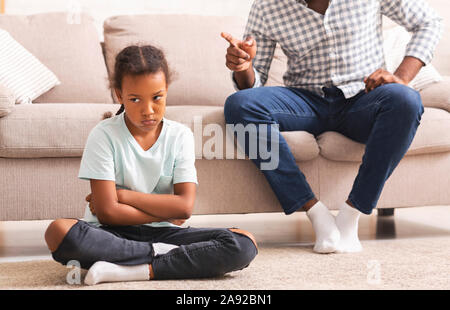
<point x="305" y="4"/>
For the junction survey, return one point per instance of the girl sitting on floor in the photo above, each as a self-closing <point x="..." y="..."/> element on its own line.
<point x="143" y="184"/>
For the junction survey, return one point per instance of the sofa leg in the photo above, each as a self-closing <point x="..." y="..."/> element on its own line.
<point x="385" y="228"/>
<point x="386" y="212"/>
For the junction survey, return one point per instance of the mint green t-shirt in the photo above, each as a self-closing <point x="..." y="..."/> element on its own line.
<point x="112" y="153"/>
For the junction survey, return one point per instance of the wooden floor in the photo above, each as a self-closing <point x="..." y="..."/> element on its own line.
<point x="24" y="240"/>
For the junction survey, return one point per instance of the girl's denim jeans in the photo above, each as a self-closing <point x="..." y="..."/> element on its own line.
<point x="384" y="119"/>
<point x="202" y="252"/>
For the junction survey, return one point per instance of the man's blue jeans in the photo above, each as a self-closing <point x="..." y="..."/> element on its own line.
<point x="385" y="120"/>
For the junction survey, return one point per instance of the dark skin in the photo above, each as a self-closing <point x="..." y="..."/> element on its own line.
<point x="144" y="98"/>
<point x="241" y="53"/>
<point x="319" y="6"/>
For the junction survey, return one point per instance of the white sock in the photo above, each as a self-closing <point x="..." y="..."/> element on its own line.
<point x="162" y="248"/>
<point x="109" y="272"/>
<point x="347" y="223"/>
<point x="327" y="233"/>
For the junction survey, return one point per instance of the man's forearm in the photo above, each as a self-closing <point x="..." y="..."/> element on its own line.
<point x="245" y="79"/>
<point x="166" y="206"/>
<point x="408" y="69"/>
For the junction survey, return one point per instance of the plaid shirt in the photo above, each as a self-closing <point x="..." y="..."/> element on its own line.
<point x="339" y="48"/>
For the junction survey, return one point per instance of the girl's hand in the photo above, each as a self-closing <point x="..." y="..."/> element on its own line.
<point x="121" y="195"/>
<point x="91" y="207"/>
<point x="177" y="222"/>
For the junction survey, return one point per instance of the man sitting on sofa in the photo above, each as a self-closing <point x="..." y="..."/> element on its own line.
<point x="335" y="81"/>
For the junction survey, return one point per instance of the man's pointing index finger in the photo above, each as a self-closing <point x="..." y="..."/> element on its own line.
<point x="234" y="42"/>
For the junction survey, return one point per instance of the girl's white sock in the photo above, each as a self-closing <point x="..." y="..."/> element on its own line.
<point x="327" y="233"/>
<point x="161" y="248"/>
<point x="109" y="272"/>
<point x="347" y="223"/>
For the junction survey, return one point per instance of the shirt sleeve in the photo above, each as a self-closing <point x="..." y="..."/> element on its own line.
<point x="256" y="84"/>
<point x="420" y="19"/>
<point x="97" y="161"/>
<point x="184" y="170"/>
<point x="257" y="28"/>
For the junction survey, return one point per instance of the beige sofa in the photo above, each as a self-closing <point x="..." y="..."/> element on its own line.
<point x="41" y="144"/>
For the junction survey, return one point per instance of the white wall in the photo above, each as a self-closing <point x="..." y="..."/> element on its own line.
<point x="101" y="9"/>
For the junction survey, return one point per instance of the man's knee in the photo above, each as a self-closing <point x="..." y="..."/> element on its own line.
<point x="405" y="100"/>
<point x="233" y="108"/>
<point x="56" y="232"/>
<point x="238" y="104"/>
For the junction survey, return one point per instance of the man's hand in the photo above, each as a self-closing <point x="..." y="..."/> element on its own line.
<point x="240" y="53"/>
<point x="381" y="77"/>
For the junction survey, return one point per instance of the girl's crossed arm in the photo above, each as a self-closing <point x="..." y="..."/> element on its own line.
<point x="126" y="207"/>
<point x="167" y="206"/>
<point x="110" y="211"/>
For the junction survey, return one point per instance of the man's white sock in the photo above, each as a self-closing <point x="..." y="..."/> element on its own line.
<point x="347" y="223"/>
<point x="327" y="233"/>
<point x="109" y="272"/>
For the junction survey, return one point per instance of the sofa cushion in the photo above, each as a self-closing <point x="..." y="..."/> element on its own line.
<point x="59" y="130"/>
<point x="194" y="51"/>
<point x="49" y="130"/>
<point x="22" y="72"/>
<point x="441" y="59"/>
<point x="71" y="51"/>
<point x="7" y="101"/>
<point x="437" y="95"/>
<point x="395" y="42"/>
<point x="432" y="136"/>
<point x="208" y="123"/>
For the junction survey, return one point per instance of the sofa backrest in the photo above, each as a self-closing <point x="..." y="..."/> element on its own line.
<point x="193" y="47"/>
<point x="71" y="51"/>
<point x="196" y="51"/>
<point x="441" y="59"/>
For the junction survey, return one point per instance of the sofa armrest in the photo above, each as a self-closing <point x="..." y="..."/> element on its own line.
<point x="437" y="95"/>
<point x="7" y="101"/>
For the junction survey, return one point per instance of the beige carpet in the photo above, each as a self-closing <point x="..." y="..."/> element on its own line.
<point x="384" y="264"/>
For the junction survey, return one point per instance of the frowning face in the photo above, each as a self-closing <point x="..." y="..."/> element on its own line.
<point x="144" y="99"/>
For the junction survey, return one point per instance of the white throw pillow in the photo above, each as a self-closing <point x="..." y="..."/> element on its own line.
<point x="395" y="41"/>
<point x="7" y="101"/>
<point x="21" y="72"/>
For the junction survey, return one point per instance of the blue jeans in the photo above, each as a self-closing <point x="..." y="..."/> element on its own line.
<point x="202" y="252"/>
<point x="385" y="120"/>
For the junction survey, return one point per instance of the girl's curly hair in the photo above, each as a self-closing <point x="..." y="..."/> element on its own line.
<point x="138" y="60"/>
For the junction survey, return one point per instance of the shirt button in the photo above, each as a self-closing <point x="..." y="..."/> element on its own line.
<point x="333" y="55"/>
